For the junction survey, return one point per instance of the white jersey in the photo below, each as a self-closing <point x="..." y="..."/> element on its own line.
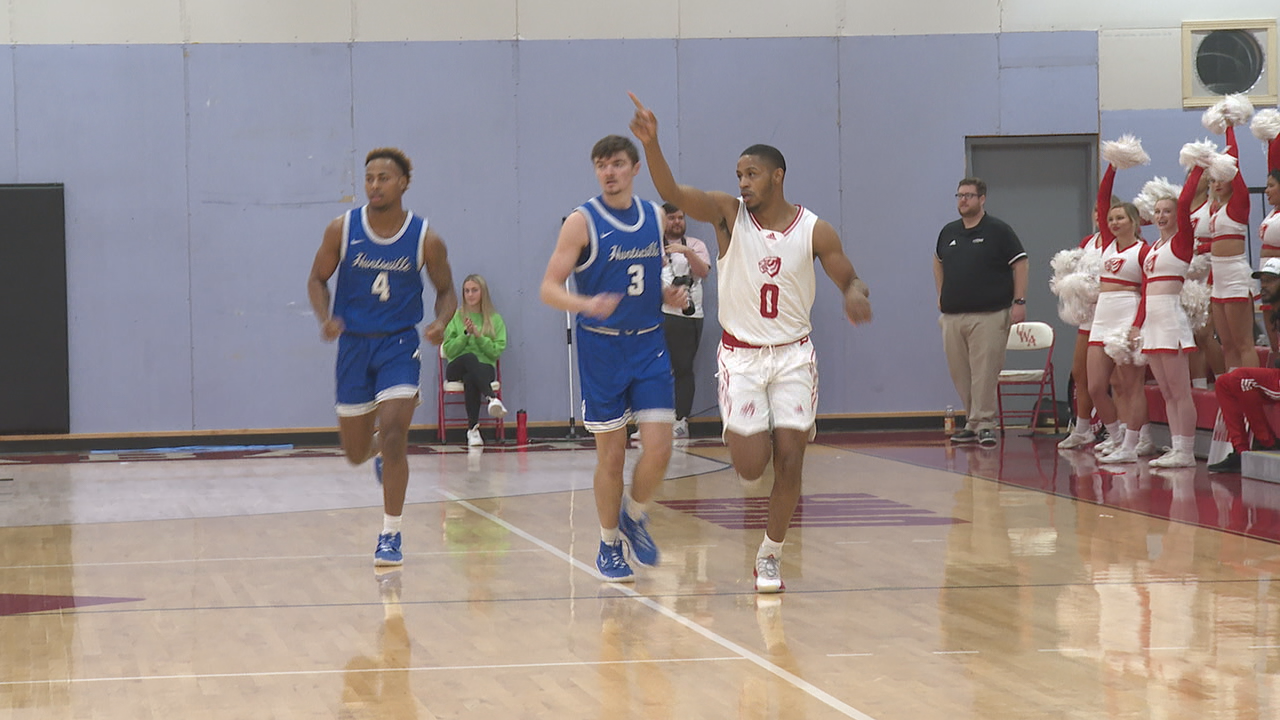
<point x="1270" y="230"/>
<point x="767" y="280"/>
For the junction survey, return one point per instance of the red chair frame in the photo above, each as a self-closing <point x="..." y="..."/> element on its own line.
<point x="453" y="394"/>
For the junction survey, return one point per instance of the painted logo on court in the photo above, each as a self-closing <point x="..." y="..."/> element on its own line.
<point x="818" y="510"/>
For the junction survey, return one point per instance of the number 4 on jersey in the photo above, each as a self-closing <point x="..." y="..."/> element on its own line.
<point x="381" y="287"/>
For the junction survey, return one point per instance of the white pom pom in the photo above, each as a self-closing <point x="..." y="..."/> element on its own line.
<point x="1064" y="263"/>
<point x="1197" y="153"/>
<point x="1074" y="305"/>
<point x="1125" y="153"/>
<point x="1155" y="190"/>
<point x="1199" y="268"/>
<point x="1221" y="168"/>
<point x="1195" y="299"/>
<point x="1116" y="344"/>
<point x="1213" y="120"/>
<point x="1236" y="108"/>
<point x="1266" y="125"/>
<point x="1077" y="294"/>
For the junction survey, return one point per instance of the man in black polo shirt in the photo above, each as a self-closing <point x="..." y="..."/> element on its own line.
<point x="981" y="273"/>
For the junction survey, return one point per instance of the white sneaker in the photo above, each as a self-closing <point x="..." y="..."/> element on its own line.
<point x="680" y="429"/>
<point x="768" y="577"/>
<point x="1174" y="459"/>
<point x="1147" y="447"/>
<point x="1077" y="440"/>
<point x="1107" y="446"/>
<point x="1119" y="456"/>
<point x="496" y="408"/>
<point x="473" y="437"/>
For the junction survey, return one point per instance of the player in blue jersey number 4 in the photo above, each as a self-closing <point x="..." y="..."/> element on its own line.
<point x="379" y="252"/>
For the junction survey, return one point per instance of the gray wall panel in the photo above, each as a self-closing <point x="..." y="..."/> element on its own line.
<point x="270" y="165"/>
<point x="454" y="114"/>
<point x="571" y="94"/>
<point x="193" y="314"/>
<point x="1048" y="83"/>
<point x="8" y="118"/>
<point x="730" y="99"/>
<point x="108" y="121"/>
<point x="904" y="117"/>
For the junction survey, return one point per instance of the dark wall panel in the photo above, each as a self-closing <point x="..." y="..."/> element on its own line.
<point x="34" y="396"/>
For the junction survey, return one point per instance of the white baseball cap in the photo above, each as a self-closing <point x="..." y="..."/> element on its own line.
<point x="1270" y="266"/>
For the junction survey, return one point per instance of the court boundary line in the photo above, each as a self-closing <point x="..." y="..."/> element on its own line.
<point x="796" y="681"/>
<point x="344" y="671"/>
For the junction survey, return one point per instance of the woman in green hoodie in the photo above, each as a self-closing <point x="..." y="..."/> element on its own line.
<point x="473" y="340"/>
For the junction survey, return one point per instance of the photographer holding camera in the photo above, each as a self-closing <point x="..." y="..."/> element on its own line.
<point x="688" y="264"/>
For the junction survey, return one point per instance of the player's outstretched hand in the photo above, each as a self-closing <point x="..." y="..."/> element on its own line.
<point x="644" y="125"/>
<point x="602" y="306"/>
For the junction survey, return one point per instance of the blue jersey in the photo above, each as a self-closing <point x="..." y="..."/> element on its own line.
<point x="380" y="279"/>
<point x="625" y="257"/>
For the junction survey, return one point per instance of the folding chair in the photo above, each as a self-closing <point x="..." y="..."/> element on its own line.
<point x="1037" y="383"/>
<point x="453" y="395"/>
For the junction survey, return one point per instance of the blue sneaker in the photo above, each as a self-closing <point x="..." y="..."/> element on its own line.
<point x="377" y="467"/>
<point x="388" y="552"/>
<point x="636" y="532"/>
<point x="612" y="565"/>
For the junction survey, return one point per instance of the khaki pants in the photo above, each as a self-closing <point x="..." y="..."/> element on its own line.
<point x="975" y="345"/>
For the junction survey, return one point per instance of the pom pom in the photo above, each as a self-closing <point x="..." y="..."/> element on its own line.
<point x="1236" y="108"/>
<point x="1266" y="125"/>
<point x="1195" y="300"/>
<point x="1230" y="110"/>
<point x="1072" y="309"/>
<point x="1213" y="121"/>
<point x="1199" y="268"/>
<point x="1063" y="263"/>
<point x="1197" y="153"/>
<point x="1116" y="344"/>
<point x="1078" y="291"/>
<point x="1221" y="168"/>
<point x="1125" y="153"/>
<point x="1155" y="190"/>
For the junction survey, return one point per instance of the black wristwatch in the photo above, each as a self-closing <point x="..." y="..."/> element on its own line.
<point x="1019" y="301"/>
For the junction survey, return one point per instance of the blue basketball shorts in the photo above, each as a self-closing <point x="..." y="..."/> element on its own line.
<point x="374" y="368"/>
<point x="624" y="376"/>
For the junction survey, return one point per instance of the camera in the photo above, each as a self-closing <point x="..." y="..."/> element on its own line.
<point x="687" y="282"/>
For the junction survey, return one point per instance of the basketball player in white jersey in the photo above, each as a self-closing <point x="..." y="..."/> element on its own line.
<point x="768" y="372"/>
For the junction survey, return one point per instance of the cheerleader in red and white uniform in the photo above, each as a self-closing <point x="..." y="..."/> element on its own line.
<point x="1082" y="428"/>
<point x="1209" y="355"/>
<point x="1232" y="308"/>
<point x="1161" y="321"/>
<point x="1119" y="284"/>
<point x="1266" y="127"/>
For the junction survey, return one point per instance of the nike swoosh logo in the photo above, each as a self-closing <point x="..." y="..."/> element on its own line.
<point x="356" y="241"/>
<point x="606" y="235"/>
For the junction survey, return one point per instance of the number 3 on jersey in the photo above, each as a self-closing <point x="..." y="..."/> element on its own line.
<point x="769" y="300"/>
<point x="381" y="287"/>
<point x="637" y="280"/>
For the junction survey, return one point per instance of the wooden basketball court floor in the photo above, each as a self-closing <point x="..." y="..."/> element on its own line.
<point x="923" y="582"/>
